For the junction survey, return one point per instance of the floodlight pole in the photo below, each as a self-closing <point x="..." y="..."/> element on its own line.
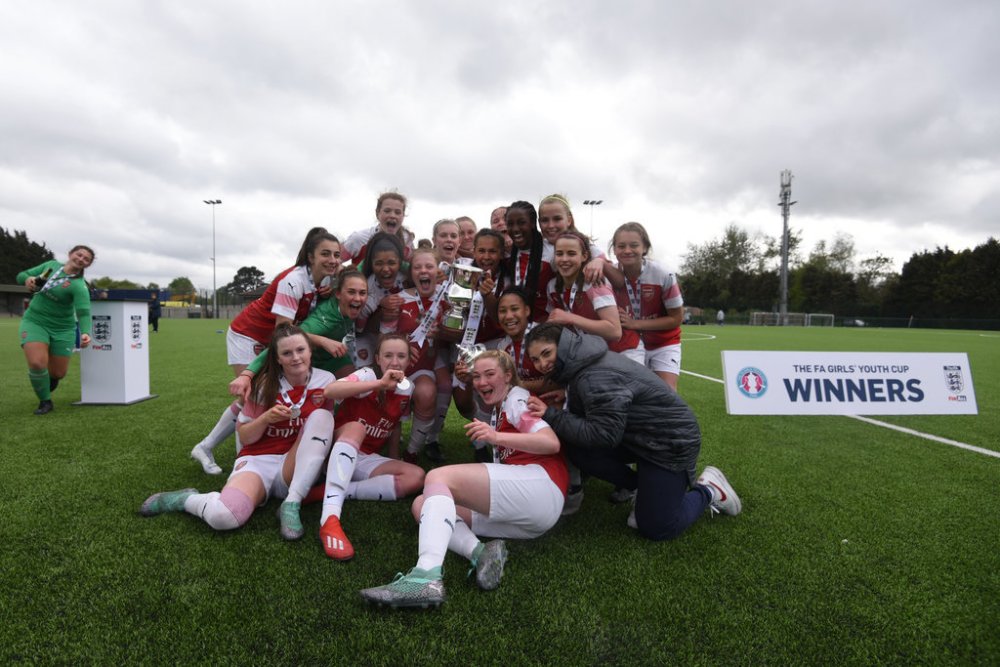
<point x="215" y="297"/>
<point x="786" y="205"/>
<point x="592" y="203"/>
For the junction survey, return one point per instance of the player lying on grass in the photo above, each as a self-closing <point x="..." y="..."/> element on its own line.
<point x="374" y="400"/>
<point x="285" y="428"/>
<point x="519" y="495"/>
<point x="620" y="413"/>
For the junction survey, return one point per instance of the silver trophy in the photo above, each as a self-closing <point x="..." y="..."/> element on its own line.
<point x="464" y="280"/>
<point x="469" y="354"/>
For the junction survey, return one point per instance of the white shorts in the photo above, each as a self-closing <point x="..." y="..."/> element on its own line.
<point x="524" y="502"/>
<point x="422" y="373"/>
<point x="636" y="354"/>
<point x="268" y="468"/>
<point x="666" y="359"/>
<point x="366" y="465"/>
<point x="241" y="349"/>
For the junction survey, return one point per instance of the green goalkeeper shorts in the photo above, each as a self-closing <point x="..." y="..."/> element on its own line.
<point x="60" y="341"/>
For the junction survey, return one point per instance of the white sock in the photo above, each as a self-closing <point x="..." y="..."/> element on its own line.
<point x="379" y="487"/>
<point x="221" y="511"/>
<point x="419" y="429"/>
<point x="223" y="428"/>
<point x="314" y="443"/>
<point x="437" y="523"/>
<point x="339" y="471"/>
<point x="463" y="540"/>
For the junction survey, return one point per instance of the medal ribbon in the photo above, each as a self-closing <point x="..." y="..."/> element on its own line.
<point x="419" y="335"/>
<point x="633" y="297"/>
<point x="572" y="297"/>
<point x="296" y="407"/>
<point x="54" y="280"/>
<point x="475" y="316"/>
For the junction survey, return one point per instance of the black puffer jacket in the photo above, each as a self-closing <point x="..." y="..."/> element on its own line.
<point x="614" y="401"/>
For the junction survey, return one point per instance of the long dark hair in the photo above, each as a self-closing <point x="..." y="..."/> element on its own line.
<point x="314" y="237"/>
<point x="264" y="386"/>
<point x="546" y="332"/>
<point x="535" y="253"/>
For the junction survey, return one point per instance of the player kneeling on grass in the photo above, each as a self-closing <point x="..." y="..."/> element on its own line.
<point x="620" y="413"/>
<point x="520" y="495"/>
<point x="374" y="400"/>
<point x="285" y="427"/>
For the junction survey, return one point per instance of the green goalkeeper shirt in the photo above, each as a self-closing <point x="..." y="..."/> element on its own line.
<point x="327" y="321"/>
<point x="63" y="300"/>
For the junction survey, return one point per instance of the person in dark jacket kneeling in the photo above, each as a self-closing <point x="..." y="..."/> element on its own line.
<point x="619" y="413"/>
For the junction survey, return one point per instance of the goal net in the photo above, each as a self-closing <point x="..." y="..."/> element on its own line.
<point x="819" y="320"/>
<point x="774" y="319"/>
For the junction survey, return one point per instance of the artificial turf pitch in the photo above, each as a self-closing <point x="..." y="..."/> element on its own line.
<point x="857" y="544"/>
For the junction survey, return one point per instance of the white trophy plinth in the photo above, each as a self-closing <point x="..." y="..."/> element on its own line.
<point x="114" y="370"/>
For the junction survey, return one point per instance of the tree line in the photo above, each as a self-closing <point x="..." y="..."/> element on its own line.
<point x="18" y="252"/>
<point x="740" y="272"/>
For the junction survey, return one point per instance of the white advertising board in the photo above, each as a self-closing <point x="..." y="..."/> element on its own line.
<point x="848" y="383"/>
<point x="115" y="368"/>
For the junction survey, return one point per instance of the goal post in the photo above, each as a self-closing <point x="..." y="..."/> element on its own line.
<point x="772" y="319"/>
<point x="819" y="320"/>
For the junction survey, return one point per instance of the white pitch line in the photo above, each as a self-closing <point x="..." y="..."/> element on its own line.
<point x="901" y="429"/>
<point x="920" y="434"/>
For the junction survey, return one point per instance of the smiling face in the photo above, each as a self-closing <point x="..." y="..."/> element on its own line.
<point x="519" y="227"/>
<point x="512" y="314"/>
<point x="80" y="259"/>
<point x="543" y="355"/>
<point x="553" y="220"/>
<point x="385" y="266"/>
<point x="446" y="240"/>
<point x="390" y="215"/>
<point x="629" y="249"/>
<point x="294" y="356"/>
<point x="352" y="296"/>
<point x="570" y="256"/>
<point x="488" y="253"/>
<point x="466" y="235"/>
<point x="423" y="272"/>
<point x="325" y="260"/>
<point x="393" y="355"/>
<point x="490" y="381"/>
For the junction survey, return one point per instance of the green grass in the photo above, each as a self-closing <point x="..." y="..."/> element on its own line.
<point x="84" y="579"/>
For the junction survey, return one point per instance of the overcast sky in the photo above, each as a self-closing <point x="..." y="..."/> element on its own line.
<point x="119" y="118"/>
